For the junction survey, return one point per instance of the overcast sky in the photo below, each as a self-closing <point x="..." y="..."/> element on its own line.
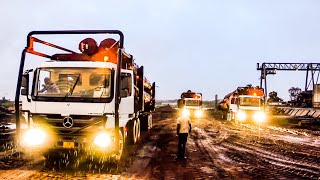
<point x="207" y="46"/>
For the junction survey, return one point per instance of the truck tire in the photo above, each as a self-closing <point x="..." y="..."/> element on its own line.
<point x="138" y="130"/>
<point x="118" y="153"/>
<point x="133" y="133"/>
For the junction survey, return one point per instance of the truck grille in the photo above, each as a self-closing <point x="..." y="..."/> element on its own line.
<point x="80" y="123"/>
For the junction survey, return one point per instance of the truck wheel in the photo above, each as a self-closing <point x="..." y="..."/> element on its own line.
<point x="132" y="132"/>
<point x="137" y="130"/>
<point x="118" y="153"/>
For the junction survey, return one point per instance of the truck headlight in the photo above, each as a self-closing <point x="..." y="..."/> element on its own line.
<point x="103" y="140"/>
<point x="241" y="116"/>
<point x="199" y="113"/>
<point x="259" y="116"/>
<point x="185" y="112"/>
<point x="34" y="137"/>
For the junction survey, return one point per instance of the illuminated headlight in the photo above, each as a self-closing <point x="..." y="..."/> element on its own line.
<point x="199" y="113"/>
<point x="34" y="137"/>
<point x="241" y="116"/>
<point x="185" y="112"/>
<point x="103" y="140"/>
<point x="259" y="116"/>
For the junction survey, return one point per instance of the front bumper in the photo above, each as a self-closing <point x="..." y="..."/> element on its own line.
<point x="251" y="117"/>
<point x="65" y="142"/>
<point x="193" y="113"/>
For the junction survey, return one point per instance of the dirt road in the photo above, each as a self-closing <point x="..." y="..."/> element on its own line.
<point x="215" y="150"/>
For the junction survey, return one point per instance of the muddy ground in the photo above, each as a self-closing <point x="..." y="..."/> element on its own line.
<point x="216" y="149"/>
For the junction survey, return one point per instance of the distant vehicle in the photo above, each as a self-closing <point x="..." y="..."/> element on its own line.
<point x="190" y="104"/>
<point x="94" y="100"/>
<point x="245" y="104"/>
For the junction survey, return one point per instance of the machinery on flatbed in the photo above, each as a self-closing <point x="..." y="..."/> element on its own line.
<point x="190" y="104"/>
<point x="94" y="100"/>
<point x="245" y="104"/>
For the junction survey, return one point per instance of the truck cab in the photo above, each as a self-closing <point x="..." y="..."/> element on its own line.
<point x="190" y="104"/>
<point x="249" y="105"/>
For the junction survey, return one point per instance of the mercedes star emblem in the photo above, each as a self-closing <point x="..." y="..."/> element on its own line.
<point x="68" y="122"/>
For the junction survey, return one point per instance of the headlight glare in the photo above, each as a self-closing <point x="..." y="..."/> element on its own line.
<point x="241" y="116"/>
<point x="259" y="116"/>
<point x="199" y="113"/>
<point x="34" y="137"/>
<point x="185" y="112"/>
<point x="103" y="140"/>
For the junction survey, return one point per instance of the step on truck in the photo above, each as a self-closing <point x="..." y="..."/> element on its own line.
<point x="93" y="99"/>
<point x="244" y="105"/>
<point x="190" y="104"/>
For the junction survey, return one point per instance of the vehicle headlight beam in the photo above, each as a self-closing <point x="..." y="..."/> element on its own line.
<point x="241" y="116"/>
<point x="259" y="116"/>
<point x="34" y="137"/>
<point x="199" y="113"/>
<point x="185" y="112"/>
<point x="103" y="140"/>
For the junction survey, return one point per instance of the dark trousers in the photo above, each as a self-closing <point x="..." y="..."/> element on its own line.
<point x="182" y="144"/>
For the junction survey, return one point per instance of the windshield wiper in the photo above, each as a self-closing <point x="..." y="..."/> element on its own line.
<point x="72" y="88"/>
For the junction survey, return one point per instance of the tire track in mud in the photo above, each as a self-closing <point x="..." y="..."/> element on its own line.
<point x="262" y="156"/>
<point x="261" y="160"/>
<point x="20" y="166"/>
<point x="269" y="158"/>
<point x="206" y="142"/>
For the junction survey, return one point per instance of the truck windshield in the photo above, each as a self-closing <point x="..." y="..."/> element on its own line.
<point x="249" y="101"/>
<point x="190" y="102"/>
<point x="73" y="82"/>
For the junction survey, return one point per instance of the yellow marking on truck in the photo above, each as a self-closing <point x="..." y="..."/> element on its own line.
<point x="68" y="145"/>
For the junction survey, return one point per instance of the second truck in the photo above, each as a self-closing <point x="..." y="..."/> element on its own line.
<point x="190" y="104"/>
<point x="245" y="104"/>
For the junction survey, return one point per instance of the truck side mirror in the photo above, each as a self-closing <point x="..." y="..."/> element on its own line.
<point x="25" y="84"/>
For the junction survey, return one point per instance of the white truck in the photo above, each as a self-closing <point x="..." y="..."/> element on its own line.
<point x="92" y="100"/>
<point x="245" y="104"/>
<point x="190" y="104"/>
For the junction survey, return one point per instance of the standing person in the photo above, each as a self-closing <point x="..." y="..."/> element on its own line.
<point x="183" y="129"/>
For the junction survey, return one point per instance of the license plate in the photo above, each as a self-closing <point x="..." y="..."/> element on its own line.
<point x="68" y="145"/>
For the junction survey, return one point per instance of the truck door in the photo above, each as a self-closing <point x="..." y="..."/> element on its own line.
<point x="233" y="105"/>
<point x="126" y="108"/>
